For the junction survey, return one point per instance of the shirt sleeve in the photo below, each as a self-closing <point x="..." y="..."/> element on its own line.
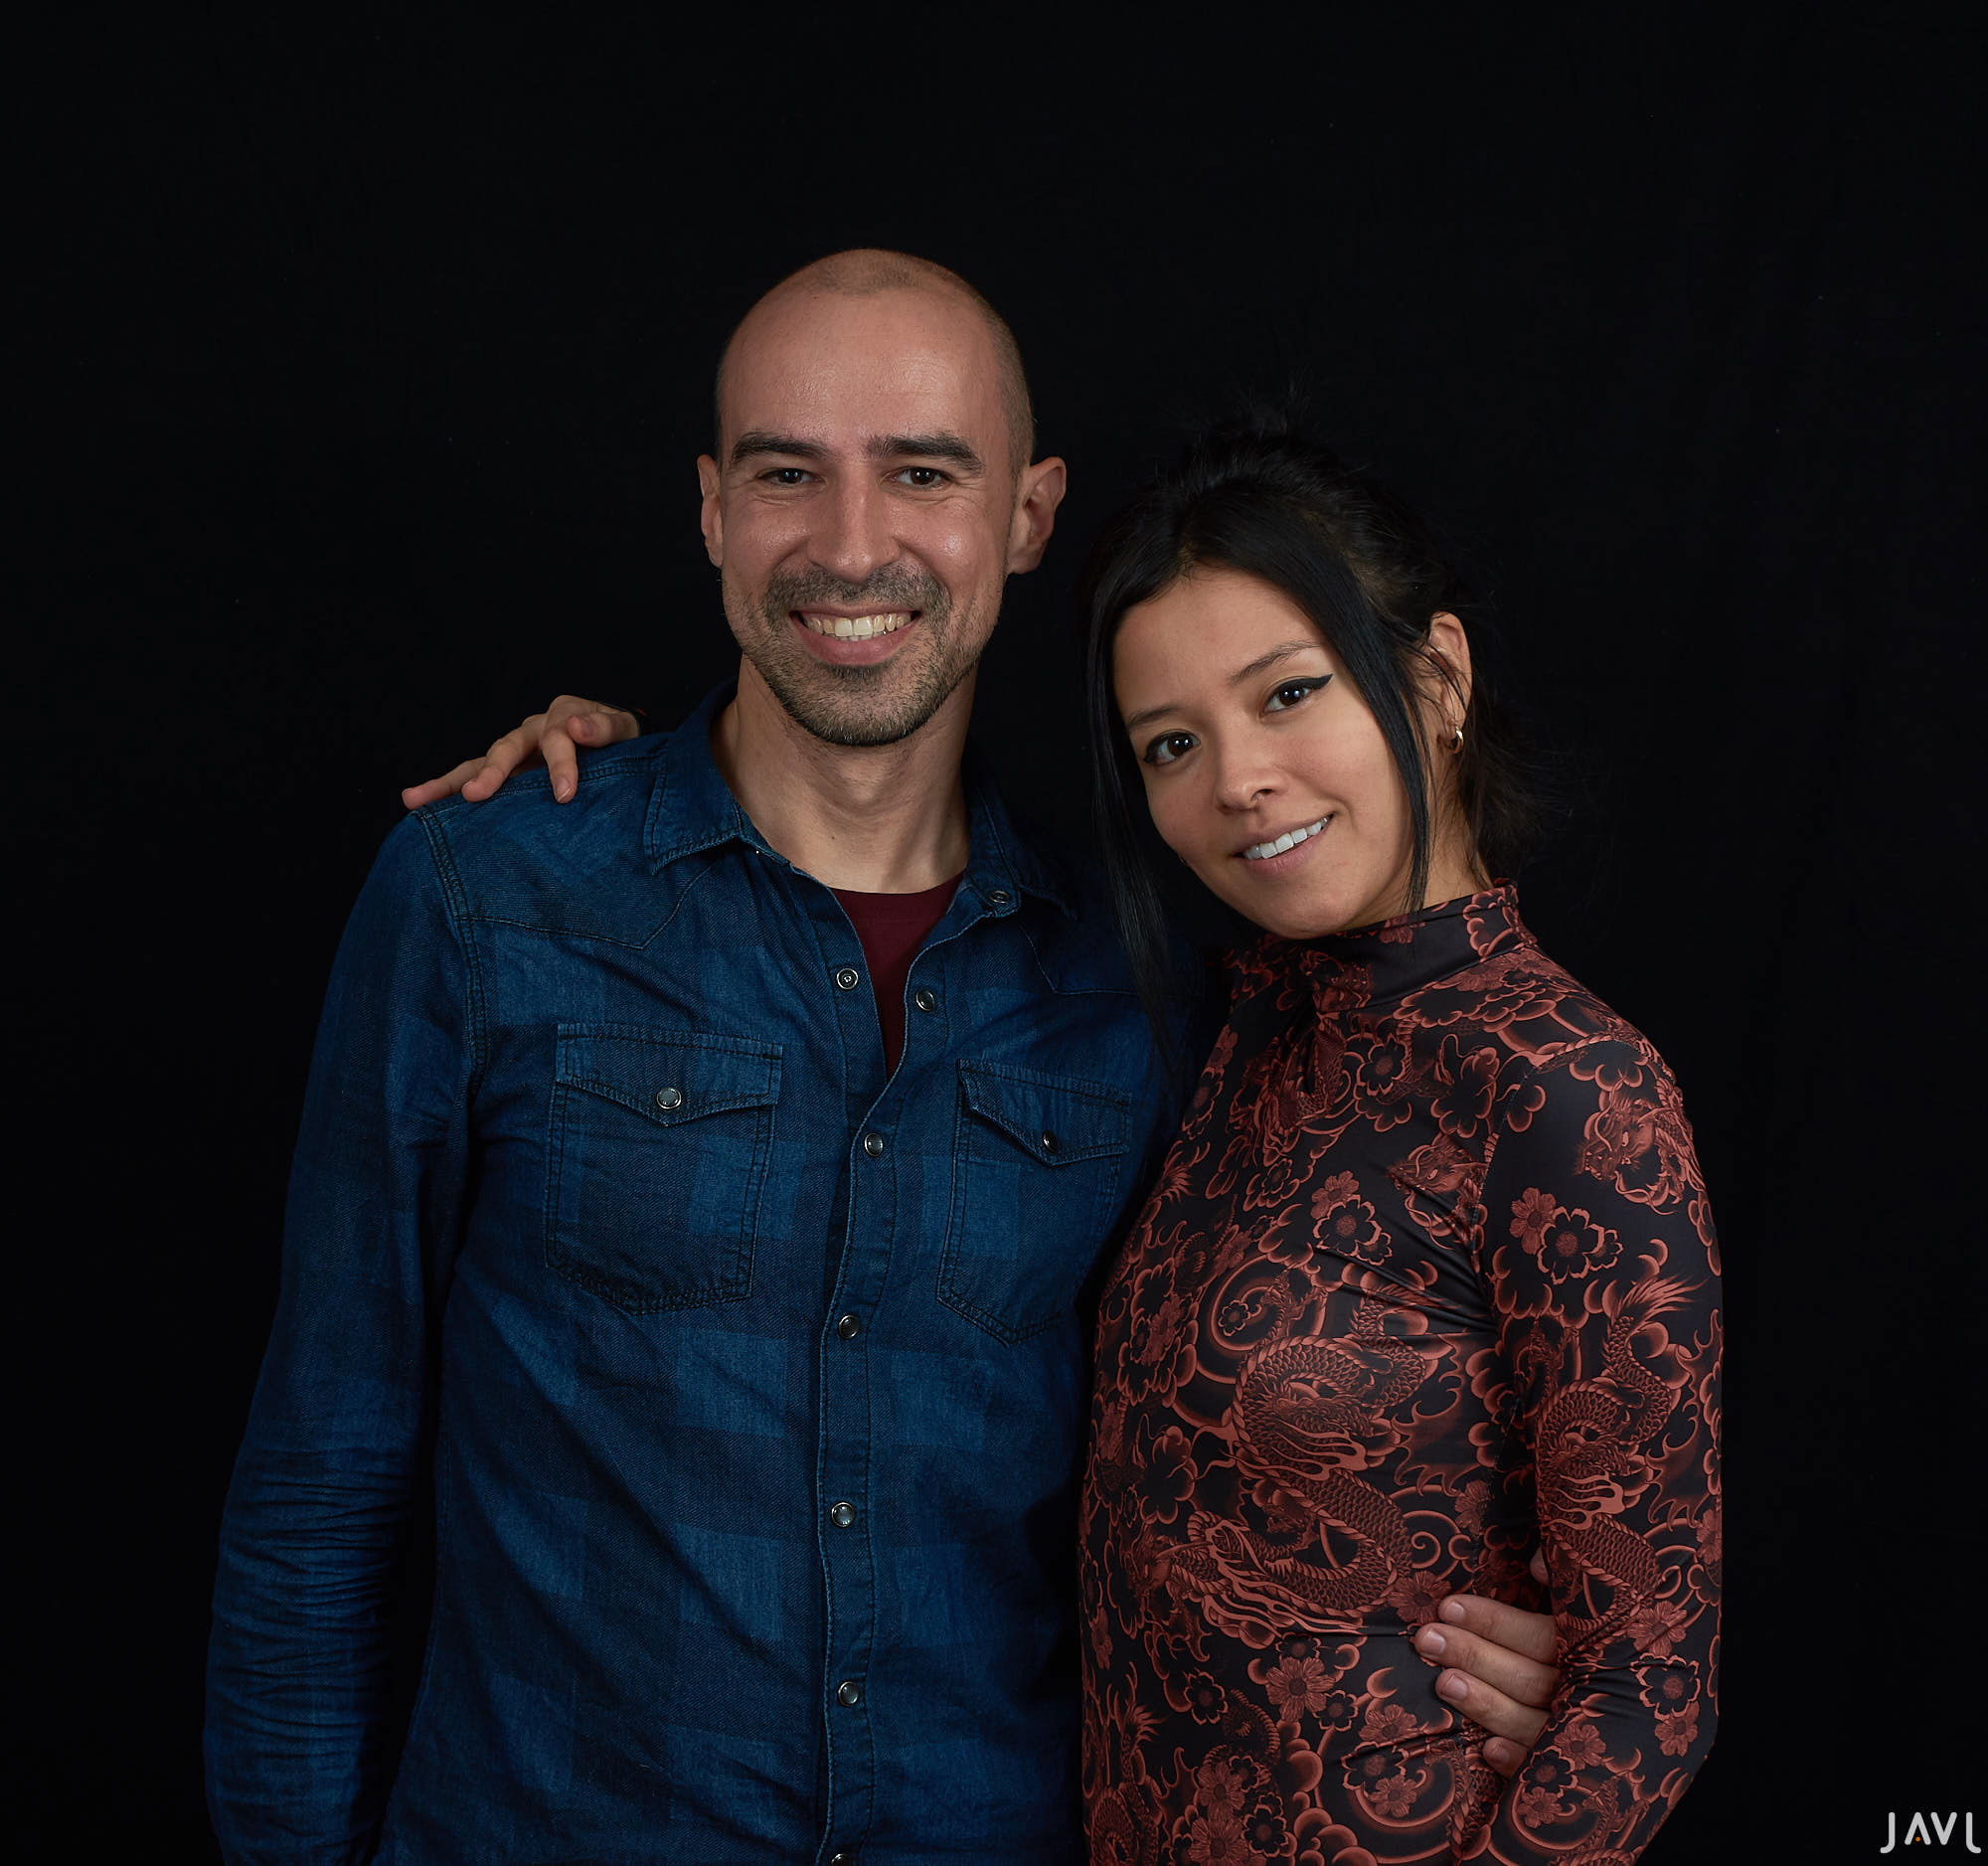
<point x="324" y="1486"/>
<point x="1599" y="1254"/>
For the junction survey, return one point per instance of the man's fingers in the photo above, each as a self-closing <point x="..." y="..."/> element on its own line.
<point x="1504" y="1756"/>
<point x="1539" y="1567"/>
<point x="1510" y="1675"/>
<point x="1511" y="1627"/>
<point x="1482" y="1704"/>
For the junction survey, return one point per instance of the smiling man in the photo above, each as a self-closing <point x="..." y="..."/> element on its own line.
<point x="693" y="1197"/>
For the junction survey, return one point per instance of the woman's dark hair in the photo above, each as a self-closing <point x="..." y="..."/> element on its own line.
<point x="1254" y="496"/>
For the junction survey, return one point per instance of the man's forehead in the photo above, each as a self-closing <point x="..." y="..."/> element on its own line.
<point x="868" y="364"/>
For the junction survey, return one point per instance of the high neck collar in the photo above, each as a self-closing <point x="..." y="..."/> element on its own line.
<point x="1380" y="964"/>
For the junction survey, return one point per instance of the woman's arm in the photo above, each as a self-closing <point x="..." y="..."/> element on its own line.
<point x="1599" y="1250"/>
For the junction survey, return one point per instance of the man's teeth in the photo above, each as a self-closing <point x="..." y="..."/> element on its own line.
<point x="857" y="628"/>
<point x="1263" y="851"/>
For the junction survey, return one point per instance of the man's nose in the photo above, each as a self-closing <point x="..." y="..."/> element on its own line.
<point x="853" y="536"/>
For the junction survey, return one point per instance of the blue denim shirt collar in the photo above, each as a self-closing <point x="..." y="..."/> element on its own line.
<point x="691" y="808"/>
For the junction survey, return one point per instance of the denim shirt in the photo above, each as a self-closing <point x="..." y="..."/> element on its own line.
<point x="744" y="1383"/>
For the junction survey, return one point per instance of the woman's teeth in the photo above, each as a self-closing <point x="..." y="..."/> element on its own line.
<point x="1263" y="851"/>
<point x="857" y="628"/>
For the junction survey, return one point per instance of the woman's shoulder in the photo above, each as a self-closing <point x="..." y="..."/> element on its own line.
<point x="1521" y="1002"/>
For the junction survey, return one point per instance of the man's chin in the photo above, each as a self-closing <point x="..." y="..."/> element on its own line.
<point x="852" y="707"/>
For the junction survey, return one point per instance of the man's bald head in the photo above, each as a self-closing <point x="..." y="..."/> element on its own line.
<point x="865" y="271"/>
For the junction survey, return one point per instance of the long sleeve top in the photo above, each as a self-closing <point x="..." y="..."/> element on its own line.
<point x="733" y="1375"/>
<point x="1429" y="1277"/>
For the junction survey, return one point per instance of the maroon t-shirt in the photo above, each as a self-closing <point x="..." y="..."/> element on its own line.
<point x="890" y="927"/>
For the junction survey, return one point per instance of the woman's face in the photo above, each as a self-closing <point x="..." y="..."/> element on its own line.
<point x="1250" y="734"/>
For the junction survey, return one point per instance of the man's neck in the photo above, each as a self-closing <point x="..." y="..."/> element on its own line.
<point x="877" y="819"/>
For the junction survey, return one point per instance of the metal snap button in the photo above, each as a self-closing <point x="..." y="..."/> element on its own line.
<point x="669" y="1098"/>
<point x="849" y="1694"/>
<point x="999" y="897"/>
<point x="848" y="977"/>
<point x="872" y="1144"/>
<point x="842" y="1515"/>
<point x="925" y="1000"/>
<point x="847" y="1327"/>
<point x="1050" y="1143"/>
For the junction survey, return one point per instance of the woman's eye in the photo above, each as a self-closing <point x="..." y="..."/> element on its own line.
<point x="1168" y="747"/>
<point x="1291" y="692"/>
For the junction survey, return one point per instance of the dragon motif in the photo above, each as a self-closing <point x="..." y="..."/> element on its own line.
<point x="1309" y="1416"/>
<point x="1588" y="1433"/>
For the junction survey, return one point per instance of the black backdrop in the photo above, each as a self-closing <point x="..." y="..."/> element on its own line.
<point x="378" y="360"/>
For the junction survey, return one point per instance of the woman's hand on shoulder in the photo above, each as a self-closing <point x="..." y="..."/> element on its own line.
<point x="547" y="738"/>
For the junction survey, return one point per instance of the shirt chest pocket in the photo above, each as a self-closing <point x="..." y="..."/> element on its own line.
<point x="1038" y="1162"/>
<point x="658" y="1155"/>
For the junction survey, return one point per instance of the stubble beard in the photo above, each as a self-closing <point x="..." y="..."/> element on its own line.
<point x="878" y="704"/>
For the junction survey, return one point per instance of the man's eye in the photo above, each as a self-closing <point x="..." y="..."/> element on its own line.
<point x="785" y="475"/>
<point x="1292" y="692"/>
<point x="923" y="477"/>
<point x="1168" y="747"/>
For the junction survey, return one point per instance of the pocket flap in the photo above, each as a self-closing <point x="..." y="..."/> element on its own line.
<point x="670" y="1075"/>
<point x="1055" y="1118"/>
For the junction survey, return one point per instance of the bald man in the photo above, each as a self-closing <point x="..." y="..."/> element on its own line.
<point x="693" y="1197"/>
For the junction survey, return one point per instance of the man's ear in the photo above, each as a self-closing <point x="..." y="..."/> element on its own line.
<point x="710" y="517"/>
<point x="1448" y="651"/>
<point x="1037" y="497"/>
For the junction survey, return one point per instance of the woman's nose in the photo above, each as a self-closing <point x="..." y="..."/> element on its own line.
<point x="1241" y="780"/>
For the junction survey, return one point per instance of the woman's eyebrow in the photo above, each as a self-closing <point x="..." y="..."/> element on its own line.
<point x="1151" y="713"/>
<point x="1264" y="663"/>
<point x="1261" y="665"/>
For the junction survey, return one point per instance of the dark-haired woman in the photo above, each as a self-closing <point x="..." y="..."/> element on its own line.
<point x="1429" y="1271"/>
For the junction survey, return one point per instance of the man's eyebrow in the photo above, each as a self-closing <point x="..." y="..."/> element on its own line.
<point x="925" y="447"/>
<point x="1261" y="665"/>
<point x="764" y="441"/>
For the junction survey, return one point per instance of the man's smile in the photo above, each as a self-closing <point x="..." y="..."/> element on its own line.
<point x="839" y="639"/>
<point x="856" y="627"/>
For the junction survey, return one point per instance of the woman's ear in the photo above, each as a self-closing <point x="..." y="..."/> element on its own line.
<point x="1449" y="652"/>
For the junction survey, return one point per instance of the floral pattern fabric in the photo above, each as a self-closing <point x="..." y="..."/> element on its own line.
<point x="1429" y="1277"/>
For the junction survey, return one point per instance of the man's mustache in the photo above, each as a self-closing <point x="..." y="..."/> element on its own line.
<point x="892" y="587"/>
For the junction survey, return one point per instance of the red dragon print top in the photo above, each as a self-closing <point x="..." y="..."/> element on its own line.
<point x="1429" y="1276"/>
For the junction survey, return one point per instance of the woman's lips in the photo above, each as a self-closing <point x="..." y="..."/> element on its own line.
<point x="1272" y="851"/>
